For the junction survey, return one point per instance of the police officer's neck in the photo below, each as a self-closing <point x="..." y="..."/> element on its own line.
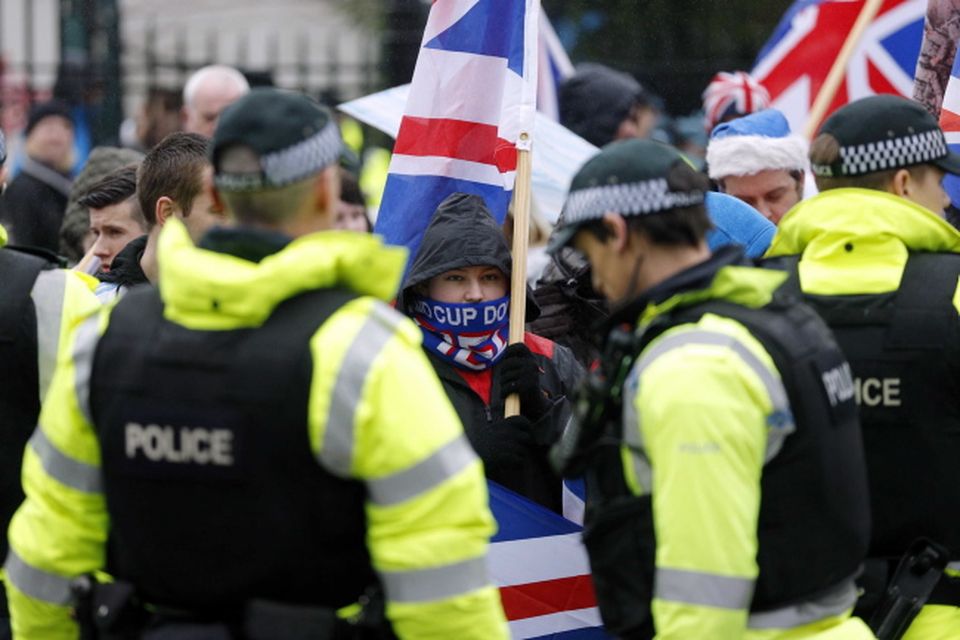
<point x="661" y="262"/>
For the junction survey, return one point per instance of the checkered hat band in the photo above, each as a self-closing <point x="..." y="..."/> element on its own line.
<point x="628" y="199"/>
<point x="893" y="153"/>
<point x="289" y="165"/>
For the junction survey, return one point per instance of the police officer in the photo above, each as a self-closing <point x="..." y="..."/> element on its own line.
<point x="38" y="304"/>
<point x="875" y="257"/>
<point x="726" y="483"/>
<point x="259" y="444"/>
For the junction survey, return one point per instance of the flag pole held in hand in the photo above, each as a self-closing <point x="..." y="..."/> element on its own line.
<point x="521" y="233"/>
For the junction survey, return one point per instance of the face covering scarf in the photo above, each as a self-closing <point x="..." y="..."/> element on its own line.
<point x="471" y="335"/>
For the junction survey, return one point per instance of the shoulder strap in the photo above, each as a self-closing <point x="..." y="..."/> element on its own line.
<point x="928" y="280"/>
<point x="923" y="312"/>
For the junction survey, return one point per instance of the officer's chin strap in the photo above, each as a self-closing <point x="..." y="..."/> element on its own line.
<point x="632" y="286"/>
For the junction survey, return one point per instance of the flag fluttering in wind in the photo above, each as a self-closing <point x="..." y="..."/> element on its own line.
<point x="472" y="97"/>
<point x="795" y="62"/>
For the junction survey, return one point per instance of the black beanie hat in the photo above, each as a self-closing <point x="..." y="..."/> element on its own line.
<point x="43" y="110"/>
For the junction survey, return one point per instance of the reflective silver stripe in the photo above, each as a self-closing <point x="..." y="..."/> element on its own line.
<point x="64" y="469"/>
<point x="36" y="583"/>
<point x="780" y="421"/>
<point x="445" y="463"/>
<point x="632" y="437"/>
<point x="953" y="566"/>
<point x="837" y="602"/>
<point x="87" y="337"/>
<point x="438" y="583"/>
<point x="336" y="452"/>
<point x="703" y="589"/>
<point x="47" y="295"/>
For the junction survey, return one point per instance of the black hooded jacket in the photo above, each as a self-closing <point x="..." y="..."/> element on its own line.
<point x="462" y="233"/>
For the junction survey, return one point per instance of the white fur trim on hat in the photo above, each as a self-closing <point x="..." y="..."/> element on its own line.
<point x="747" y="155"/>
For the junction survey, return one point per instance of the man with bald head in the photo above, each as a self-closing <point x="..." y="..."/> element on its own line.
<point x="208" y="92"/>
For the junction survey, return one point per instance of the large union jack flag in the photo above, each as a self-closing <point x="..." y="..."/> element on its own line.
<point x="473" y="93"/>
<point x="541" y="567"/>
<point x="794" y="63"/>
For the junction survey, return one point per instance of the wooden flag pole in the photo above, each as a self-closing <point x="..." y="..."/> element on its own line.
<point x="518" y="278"/>
<point x="829" y="89"/>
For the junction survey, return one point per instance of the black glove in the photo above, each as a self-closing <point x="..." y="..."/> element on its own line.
<point x="519" y="373"/>
<point x="504" y="444"/>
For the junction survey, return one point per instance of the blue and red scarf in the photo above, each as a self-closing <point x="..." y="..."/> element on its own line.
<point x="471" y="335"/>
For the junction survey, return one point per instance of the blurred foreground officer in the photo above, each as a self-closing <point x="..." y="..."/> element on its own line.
<point x="875" y="258"/>
<point x="260" y="441"/>
<point x="38" y="306"/>
<point x="727" y="491"/>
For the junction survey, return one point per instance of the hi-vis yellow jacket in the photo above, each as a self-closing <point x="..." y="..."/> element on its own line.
<point x="883" y="227"/>
<point x="857" y="241"/>
<point x="697" y="432"/>
<point x="428" y="542"/>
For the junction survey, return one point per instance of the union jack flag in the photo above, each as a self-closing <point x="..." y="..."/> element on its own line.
<point x="794" y="63"/>
<point x="473" y="93"/>
<point x="541" y="567"/>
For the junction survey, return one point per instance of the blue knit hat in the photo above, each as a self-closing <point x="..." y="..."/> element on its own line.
<point x="754" y="143"/>
<point x="736" y="222"/>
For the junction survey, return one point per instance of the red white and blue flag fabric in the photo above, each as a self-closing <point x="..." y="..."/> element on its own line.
<point x="473" y="94"/>
<point x="539" y="562"/>
<point x="794" y="63"/>
<point x="950" y="123"/>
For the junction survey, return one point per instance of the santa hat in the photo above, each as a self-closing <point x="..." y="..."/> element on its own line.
<point x="755" y="143"/>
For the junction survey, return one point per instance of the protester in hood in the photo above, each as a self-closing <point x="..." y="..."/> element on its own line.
<point x="601" y="105"/>
<point x="758" y="160"/>
<point x="457" y="291"/>
<point x="33" y="205"/>
<point x="732" y="95"/>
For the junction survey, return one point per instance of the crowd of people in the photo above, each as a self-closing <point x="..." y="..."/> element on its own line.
<point x="240" y="415"/>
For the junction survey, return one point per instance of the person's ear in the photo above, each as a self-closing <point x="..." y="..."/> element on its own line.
<point x="164" y="209"/>
<point x="618" y="234"/>
<point x="326" y="192"/>
<point x="900" y="184"/>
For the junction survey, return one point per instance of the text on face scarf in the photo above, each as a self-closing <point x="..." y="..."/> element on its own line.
<point x="471" y="335"/>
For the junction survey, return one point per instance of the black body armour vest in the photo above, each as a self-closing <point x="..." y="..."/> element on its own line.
<point x="213" y="492"/>
<point x="814" y="524"/>
<point x="19" y="389"/>
<point x="904" y="349"/>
